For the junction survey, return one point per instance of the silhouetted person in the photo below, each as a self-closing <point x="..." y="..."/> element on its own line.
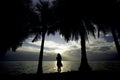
<point x="59" y="63"/>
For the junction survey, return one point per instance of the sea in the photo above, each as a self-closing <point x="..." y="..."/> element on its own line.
<point x="30" y="67"/>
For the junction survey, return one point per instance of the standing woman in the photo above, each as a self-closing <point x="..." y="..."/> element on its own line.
<point x="59" y="63"/>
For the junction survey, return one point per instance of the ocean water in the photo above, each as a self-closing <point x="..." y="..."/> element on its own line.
<point x="20" y="67"/>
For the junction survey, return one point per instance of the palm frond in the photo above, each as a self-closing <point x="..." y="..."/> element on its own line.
<point x="37" y="36"/>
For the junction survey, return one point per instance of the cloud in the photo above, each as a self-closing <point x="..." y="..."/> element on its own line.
<point x="26" y="44"/>
<point x="20" y="56"/>
<point x="108" y="38"/>
<point x="100" y="47"/>
<point x="28" y="49"/>
<point x="105" y="48"/>
<point x="97" y="49"/>
<point x="104" y="42"/>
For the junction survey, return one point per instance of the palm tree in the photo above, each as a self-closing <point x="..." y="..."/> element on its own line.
<point x="46" y="26"/>
<point x="77" y="18"/>
<point x="109" y="19"/>
<point x="74" y="24"/>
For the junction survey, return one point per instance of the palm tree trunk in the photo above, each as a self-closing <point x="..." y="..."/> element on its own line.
<point x="40" y="70"/>
<point x="84" y="66"/>
<point x="116" y="41"/>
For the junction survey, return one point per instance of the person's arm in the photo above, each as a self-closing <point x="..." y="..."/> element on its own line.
<point x="56" y="58"/>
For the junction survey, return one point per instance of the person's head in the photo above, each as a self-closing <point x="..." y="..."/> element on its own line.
<point x="58" y="54"/>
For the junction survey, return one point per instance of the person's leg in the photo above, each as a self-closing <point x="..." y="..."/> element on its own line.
<point x="59" y="69"/>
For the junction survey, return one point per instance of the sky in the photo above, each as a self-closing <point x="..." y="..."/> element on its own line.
<point x="102" y="48"/>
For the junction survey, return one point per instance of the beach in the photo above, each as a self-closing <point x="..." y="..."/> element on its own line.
<point x="72" y="75"/>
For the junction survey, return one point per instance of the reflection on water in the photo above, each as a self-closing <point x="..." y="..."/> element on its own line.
<point x="67" y="66"/>
<point x="19" y="67"/>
